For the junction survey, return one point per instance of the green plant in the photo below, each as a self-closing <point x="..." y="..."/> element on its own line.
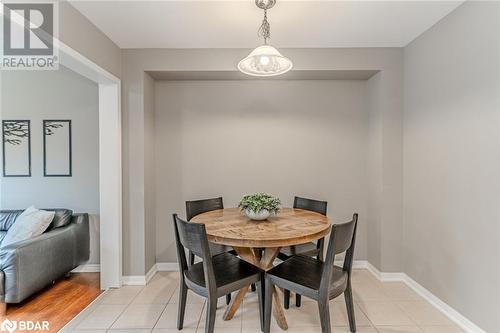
<point x="259" y="202"/>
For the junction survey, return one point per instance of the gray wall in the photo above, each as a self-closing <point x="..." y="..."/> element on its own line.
<point x="79" y="33"/>
<point x="452" y="161"/>
<point x="384" y="201"/>
<point x="150" y="179"/>
<point x="61" y="94"/>
<point x="385" y="187"/>
<point x="374" y="171"/>
<point x="231" y="138"/>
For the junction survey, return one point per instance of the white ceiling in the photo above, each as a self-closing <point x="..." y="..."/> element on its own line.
<point x="234" y="24"/>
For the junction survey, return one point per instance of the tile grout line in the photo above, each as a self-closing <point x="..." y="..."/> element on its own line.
<point x="93" y="310"/>
<point x="124" y="309"/>
<point x="201" y="315"/>
<point x="159" y="317"/>
<point x="394" y="302"/>
<point x="88" y="314"/>
<point x="132" y="300"/>
<point x="406" y="313"/>
<point x="166" y="304"/>
<point x="366" y="315"/>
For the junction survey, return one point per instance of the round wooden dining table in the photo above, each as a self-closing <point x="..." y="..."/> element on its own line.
<point x="259" y="242"/>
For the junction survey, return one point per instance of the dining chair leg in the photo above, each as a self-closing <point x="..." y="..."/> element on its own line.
<point x="228" y="299"/>
<point x="324" y="315"/>
<point x="191" y="258"/>
<point x="268" y="302"/>
<point x="286" y="299"/>
<point x="298" y="300"/>
<point x="182" y="305"/>
<point x="350" y="307"/>
<point x="321" y="246"/>
<point x="211" y="310"/>
<point x="260" y="296"/>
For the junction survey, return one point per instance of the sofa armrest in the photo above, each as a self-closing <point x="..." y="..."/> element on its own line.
<point x="82" y="235"/>
<point x="30" y="265"/>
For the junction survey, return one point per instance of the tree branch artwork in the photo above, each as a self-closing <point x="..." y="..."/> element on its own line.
<point x="51" y="126"/>
<point x="15" y="131"/>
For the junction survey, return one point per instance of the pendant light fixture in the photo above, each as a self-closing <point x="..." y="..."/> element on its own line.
<point x="265" y="60"/>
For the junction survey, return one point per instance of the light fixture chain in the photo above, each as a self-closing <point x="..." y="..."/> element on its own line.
<point x="265" y="28"/>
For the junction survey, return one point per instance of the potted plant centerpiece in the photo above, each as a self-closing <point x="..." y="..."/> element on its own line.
<point x="259" y="206"/>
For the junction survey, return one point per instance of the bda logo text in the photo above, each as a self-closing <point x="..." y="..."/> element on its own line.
<point x="24" y="325"/>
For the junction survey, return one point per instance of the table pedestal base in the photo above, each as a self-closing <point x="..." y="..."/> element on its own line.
<point x="262" y="258"/>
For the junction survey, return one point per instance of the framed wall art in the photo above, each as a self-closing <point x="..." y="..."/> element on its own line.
<point x="16" y="148"/>
<point x="57" y="152"/>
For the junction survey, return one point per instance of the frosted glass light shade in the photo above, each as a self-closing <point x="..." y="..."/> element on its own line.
<point x="265" y="60"/>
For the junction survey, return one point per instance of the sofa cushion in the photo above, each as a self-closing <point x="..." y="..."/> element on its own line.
<point x="7" y="218"/>
<point x="30" y="223"/>
<point x="62" y="218"/>
<point x="2" y="235"/>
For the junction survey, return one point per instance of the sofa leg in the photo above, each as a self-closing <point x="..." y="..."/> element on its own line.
<point x="67" y="275"/>
<point x="3" y="309"/>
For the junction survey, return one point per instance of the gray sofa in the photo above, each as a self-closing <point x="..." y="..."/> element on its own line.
<point x="28" y="266"/>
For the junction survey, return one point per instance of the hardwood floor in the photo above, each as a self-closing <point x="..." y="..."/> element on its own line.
<point x="59" y="303"/>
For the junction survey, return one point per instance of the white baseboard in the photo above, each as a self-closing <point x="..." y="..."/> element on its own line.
<point x="152" y="271"/>
<point x="139" y="280"/>
<point x="375" y="272"/>
<point x="87" y="268"/>
<point x="167" y="266"/>
<point x="452" y="314"/>
<point x="356" y="264"/>
<point x="385" y="276"/>
<point x="134" y="280"/>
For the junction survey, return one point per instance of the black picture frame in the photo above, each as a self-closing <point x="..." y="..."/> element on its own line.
<point x="49" y="126"/>
<point x="18" y="132"/>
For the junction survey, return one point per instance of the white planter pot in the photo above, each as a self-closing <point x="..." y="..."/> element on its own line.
<point x="262" y="215"/>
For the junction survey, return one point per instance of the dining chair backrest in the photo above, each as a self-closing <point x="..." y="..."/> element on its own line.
<point x="342" y="239"/>
<point x="342" y="235"/>
<point x="310" y="204"/>
<point x="193" y="236"/>
<point x="196" y="207"/>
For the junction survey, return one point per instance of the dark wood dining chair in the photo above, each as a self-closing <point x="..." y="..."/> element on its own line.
<point x="213" y="277"/>
<point x="196" y="207"/>
<point x="308" y="249"/>
<point x="316" y="279"/>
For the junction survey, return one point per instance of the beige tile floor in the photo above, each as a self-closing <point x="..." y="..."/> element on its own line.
<point x="384" y="307"/>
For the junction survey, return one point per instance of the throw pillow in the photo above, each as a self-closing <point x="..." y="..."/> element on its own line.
<point x="30" y="223"/>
